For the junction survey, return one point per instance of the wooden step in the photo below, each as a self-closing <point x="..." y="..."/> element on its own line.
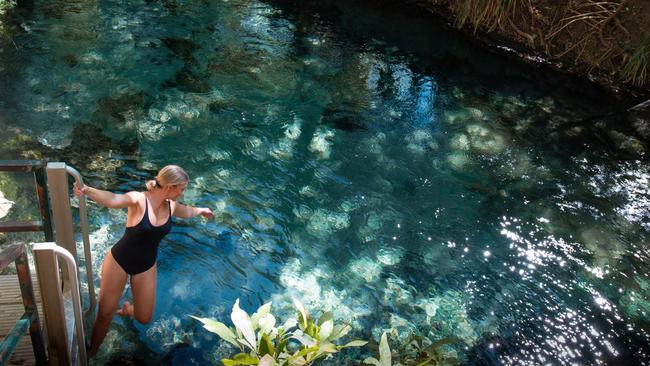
<point x="11" y="309"/>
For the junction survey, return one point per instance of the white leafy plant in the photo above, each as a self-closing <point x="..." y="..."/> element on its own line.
<point x="262" y="343"/>
<point x="385" y="358"/>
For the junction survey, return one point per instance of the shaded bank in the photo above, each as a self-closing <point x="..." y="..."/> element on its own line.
<point x="607" y="42"/>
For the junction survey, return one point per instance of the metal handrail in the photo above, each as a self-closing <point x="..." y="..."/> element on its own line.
<point x="29" y="320"/>
<point x="83" y="221"/>
<point x="76" y="296"/>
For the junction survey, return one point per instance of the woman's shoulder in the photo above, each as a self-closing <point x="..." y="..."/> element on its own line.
<point x="137" y="197"/>
<point x="136" y="194"/>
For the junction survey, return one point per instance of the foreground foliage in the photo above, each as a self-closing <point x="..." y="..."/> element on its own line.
<point x="417" y="351"/>
<point x="300" y="341"/>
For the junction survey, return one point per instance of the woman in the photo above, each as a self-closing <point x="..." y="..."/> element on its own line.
<point x="147" y="222"/>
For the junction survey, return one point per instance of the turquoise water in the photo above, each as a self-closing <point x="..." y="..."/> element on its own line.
<point x="365" y="161"/>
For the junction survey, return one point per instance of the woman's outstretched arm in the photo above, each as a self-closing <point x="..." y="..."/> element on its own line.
<point x="185" y="212"/>
<point x="106" y="198"/>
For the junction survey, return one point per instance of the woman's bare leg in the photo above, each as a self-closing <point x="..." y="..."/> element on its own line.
<point x="143" y="287"/>
<point x="113" y="280"/>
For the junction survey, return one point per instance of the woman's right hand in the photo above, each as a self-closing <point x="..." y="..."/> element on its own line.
<point x="77" y="191"/>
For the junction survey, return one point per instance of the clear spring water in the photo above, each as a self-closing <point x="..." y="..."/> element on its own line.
<point x="362" y="160"/>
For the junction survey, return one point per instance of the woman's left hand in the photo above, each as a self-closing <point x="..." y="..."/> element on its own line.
<point x="206" y="212"/>
<point x="79" y="191"/>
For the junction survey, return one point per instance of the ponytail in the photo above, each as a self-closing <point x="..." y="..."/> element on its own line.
<point x="170" y="175"/>
<point x="152" y="184"/>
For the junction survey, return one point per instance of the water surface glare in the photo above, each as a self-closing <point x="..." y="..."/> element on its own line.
<point x="364" y="161"/>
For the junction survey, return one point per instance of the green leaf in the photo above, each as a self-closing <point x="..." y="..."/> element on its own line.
<point x="219" y="329"/>
<point x="303" y="312"/>
<point x="243" y="323"/>
<point x="339" y="331"/>
<point x="297" y="362"/>
<point x="266" y="346"/>
<point x="241" y="359"/>
<point x="303" y="352"/>
<point x="281" y="346"/>
<point x="325" y="317"/>
<point x="328" y="347"/>
<point x="356" y="343"/>
<point x="384" y="351"/>
<point x="372" y="361"/>
<point x="312" y="329"/>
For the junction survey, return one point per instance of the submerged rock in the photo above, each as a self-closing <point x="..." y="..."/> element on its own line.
<point x="458" y="160"/>
<point x="451" y="317"/>
<point x="321" y="143"/>
<point x="184" y="354"/>
<point x="366" y="268"/>
<point x="70" y="60"/>
<point x="640" y="119"/>
<point x="460" y="142"/>
<point x="91" y="149"/>
<point x="183" y="48"/>
<point x="485" y="140"/>
<point x="118" y="106"/>
<point x="390" y="256"/>
<point x="605" y="246"/>
<point x="323" y="222"/>
<point x="343" y="120"/>
<point x="636" y="304"/>
<point x="186" y="80"/>
<point x="218" y="105"/>
<point x="420" y="141"/>
<point x="627" y="143"/>
<point x="293" y="130"/>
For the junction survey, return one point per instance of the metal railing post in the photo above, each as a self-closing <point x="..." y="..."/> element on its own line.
<point x="57" y="178"/>
<point x="49" y="282"/>
<point x="29" y="302"/>
<point x="57" y="181"/>
<point x="62" y="333"/>
<point x="83" y="221"/>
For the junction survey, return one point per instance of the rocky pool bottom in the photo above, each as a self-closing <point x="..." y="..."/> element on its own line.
<point x="408" y="186"/>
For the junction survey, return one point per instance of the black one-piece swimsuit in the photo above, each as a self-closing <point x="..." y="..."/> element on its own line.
<point x="137" y="251"/>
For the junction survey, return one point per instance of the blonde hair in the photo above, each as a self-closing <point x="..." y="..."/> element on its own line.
<point x="171" y="175"/>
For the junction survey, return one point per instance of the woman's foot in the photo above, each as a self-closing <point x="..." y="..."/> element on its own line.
<point x="126" y="310"/>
